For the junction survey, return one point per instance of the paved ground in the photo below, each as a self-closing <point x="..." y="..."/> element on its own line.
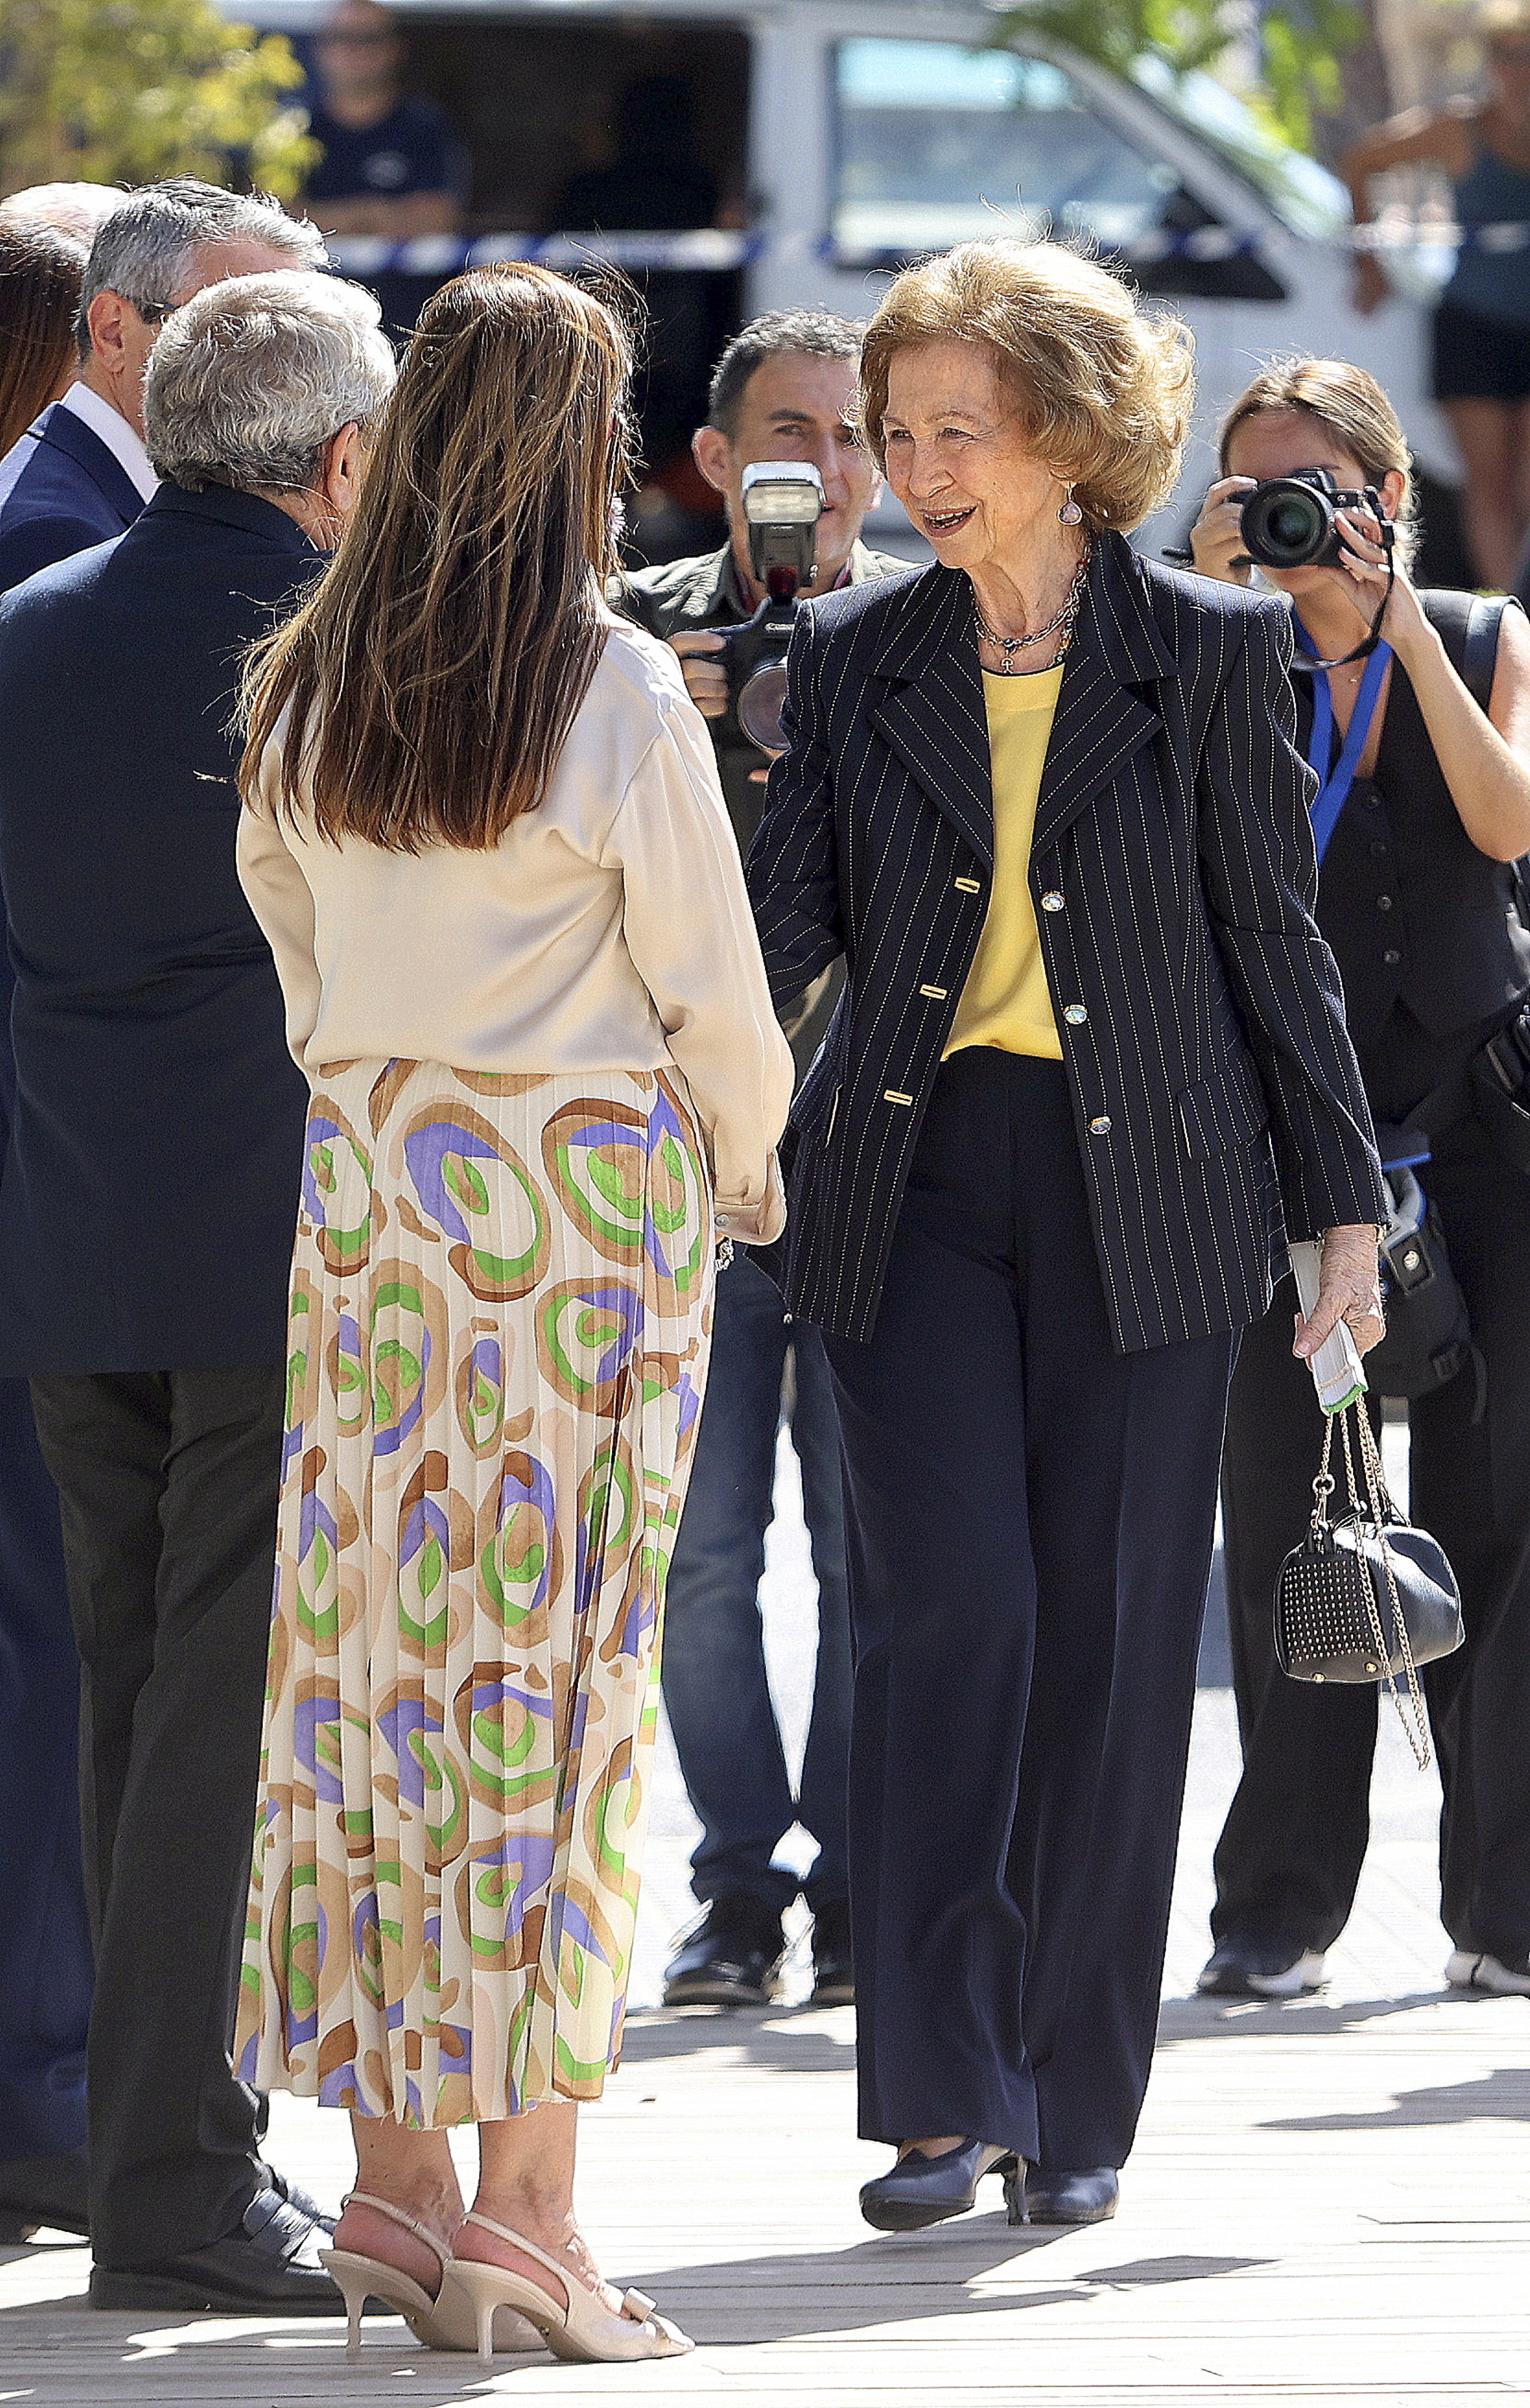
<point x="1329" y="2202"/>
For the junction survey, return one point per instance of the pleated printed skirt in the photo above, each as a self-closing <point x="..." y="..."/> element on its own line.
<point x="500" y="1319"/>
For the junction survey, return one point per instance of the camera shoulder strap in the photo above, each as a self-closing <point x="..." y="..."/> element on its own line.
<point x="1479" y="644"/>
<point x="1336" y="777"/>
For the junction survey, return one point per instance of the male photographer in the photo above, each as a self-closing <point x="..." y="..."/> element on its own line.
<point x="783" y="391"/>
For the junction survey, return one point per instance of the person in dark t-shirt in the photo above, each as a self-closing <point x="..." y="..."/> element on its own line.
<point x="392" y="163"/>
<point x="654" y="183"/>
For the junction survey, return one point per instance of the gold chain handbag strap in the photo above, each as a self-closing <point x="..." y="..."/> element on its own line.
<point x="1376" y="1508"/>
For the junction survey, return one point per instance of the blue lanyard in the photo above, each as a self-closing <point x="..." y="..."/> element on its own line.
<point x="1334" y="793"/>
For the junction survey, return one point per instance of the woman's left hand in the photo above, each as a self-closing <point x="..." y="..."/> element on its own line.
<point x="1364" y="574"/>
<point x="1349" y="1290"/>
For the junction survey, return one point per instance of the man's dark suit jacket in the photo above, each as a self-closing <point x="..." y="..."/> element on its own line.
<point x="1216" y="1098"/>
<point x="72" y="494"/>
<point x="149" y="1192"/>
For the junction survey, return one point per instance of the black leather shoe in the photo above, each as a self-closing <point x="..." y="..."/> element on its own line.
<point x="1259" y="1969"/>
<point x="44" y="2194"/>
<point x="1086" y="2197"/>
<point x="731" y="1960"/>
<point x="268" y="2267"/>
<point x="834" y="1969"/>
<point x="300" y="2200"/>
<point x="920" y="2190"/>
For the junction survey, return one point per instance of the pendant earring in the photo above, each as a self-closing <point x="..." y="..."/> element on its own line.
<point x="1070" y="514"/>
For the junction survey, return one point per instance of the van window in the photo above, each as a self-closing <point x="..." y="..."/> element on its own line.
<point x="938" y="143"/>
<point x="1304" y="194"/>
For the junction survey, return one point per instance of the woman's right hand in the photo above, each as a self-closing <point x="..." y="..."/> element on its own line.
<point x="1216" y="539"/>
<point x="759" y="1223"/>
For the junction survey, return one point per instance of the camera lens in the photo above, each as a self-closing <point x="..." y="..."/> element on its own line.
<point x="1292" y="525"/>
<point x="1285" y="524"/>
<point x="760" y="706"/>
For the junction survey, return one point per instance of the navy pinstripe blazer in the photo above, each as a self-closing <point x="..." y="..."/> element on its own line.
<point x="1215" y="1092"/>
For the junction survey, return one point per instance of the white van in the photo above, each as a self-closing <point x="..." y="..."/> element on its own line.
<point x="841" y="138"/>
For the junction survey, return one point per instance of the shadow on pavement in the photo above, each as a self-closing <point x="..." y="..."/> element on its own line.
<point x="1500" y="2097"/>
<point x="736" y="2303"/>
<point x="804" y="2041"/>
<point x="1196" y="2019"/>
<point x="885" y="2281"/>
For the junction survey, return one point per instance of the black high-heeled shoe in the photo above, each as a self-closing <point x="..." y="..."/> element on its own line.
<point x="1085" y="2195"/>
<point x="920" y="2190"/>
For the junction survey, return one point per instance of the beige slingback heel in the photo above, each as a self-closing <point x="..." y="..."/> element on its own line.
<point x="448" y="2321"/>
<point x="582" y="2328"/>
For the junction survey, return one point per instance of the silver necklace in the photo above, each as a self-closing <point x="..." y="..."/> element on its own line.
<point x="1062" y="626"/>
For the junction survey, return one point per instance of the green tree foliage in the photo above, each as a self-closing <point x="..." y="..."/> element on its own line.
<point x="1302" y="42"/>
<point x="127" y="90"/>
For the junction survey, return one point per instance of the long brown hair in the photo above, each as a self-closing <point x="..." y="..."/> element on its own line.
<point x="432" y="674"/>
<point x="40" y="273"/>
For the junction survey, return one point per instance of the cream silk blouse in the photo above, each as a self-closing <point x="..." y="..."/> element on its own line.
<point x="607" y="930"/>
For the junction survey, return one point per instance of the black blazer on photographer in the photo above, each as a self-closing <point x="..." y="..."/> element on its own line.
<point x="1215" y="1093"/>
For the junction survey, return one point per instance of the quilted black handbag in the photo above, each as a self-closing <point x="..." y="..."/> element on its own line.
<point x="1365" y="1597"/>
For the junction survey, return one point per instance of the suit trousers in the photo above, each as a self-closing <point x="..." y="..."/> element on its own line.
<point x="45" y="1936"/>
<point x="1294" y="1838"/>
<point x="1029" y="1521"/>
<point x="168" y="1487"/>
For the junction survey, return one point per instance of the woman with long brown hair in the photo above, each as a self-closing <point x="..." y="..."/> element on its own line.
<point x="40" y="274"/>
<point x="486" y="840"/>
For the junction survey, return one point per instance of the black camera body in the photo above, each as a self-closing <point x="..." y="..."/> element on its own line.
<point x="783" y="501"/>
<point x="1289" y="522"/>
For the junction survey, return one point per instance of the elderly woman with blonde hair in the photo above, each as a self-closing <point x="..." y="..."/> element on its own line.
<point x="1089" y="1074"/>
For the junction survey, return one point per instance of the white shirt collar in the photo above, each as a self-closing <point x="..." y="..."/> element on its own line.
<point x="121" y="441"/>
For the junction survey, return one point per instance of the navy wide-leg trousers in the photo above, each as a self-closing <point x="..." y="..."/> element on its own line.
<point x="1030" y="1529"/>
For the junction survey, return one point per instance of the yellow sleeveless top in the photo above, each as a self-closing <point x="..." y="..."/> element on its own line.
<point x="1006" y="1001"/>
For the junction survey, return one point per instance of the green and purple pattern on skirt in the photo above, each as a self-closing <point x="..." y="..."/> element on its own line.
<point x="500" y="1318"/>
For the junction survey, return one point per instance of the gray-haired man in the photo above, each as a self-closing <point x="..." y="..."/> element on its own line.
<point x="145" y="1218"/>
<point x="80" y="474"/>
<point x="76" y="478"/>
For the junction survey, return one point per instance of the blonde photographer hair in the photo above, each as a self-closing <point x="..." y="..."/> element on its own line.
<point x="1353" y="411"/>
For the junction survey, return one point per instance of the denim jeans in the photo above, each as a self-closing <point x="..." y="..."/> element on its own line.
<point x="715" y="1688"/>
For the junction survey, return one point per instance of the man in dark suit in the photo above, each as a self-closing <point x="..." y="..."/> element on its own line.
<point x="77" y="477"/>
<point x="145" y="1217"/>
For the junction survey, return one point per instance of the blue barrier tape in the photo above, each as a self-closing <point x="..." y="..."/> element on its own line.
<point x="709" y="251"/>
<point x="706" y="249"/>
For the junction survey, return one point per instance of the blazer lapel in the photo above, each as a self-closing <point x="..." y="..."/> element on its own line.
<point x="1100" y="720"/>
<point x="930" y="708"/>
<point x="62" y="431"/>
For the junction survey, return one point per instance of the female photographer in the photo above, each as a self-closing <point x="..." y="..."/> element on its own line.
<point x="1418" y="900"/>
